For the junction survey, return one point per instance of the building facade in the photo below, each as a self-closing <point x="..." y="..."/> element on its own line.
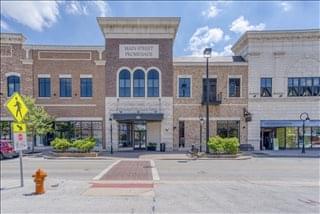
<point x="132" y="92"/>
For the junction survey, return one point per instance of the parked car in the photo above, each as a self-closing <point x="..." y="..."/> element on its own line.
<point x="7" y="150"/>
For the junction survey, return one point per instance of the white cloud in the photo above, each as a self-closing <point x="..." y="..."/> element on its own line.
<point x="204" y="37"/>
<point x="241" y="25"/>
<point x="211" y="12"/>
<point x="227" y="38"/>
<point x="226" y="51"/>
<point x="4" y="25"/>
<point x="286" y="6"/>
<point x="76" y="8"/>
<point x="103" y="7"/>
<point x="34" y="14"/>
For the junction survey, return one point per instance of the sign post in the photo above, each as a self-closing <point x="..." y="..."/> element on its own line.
<point x="18" y="110"/>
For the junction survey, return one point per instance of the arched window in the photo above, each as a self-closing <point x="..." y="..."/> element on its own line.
<point x="124" y="83"/>
<point x="13" y="83"/>
<point x="138" y="83"/>
<point x="153" y="83"/>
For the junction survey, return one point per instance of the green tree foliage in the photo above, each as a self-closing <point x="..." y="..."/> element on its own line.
<point x="38" y="121"/>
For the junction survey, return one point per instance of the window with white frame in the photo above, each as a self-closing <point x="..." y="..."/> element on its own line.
<point x="184" y="84"/>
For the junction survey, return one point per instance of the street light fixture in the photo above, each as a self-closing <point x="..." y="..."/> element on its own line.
<point x="207" y="55"/>
<point x="201" y="124"/>
<point x="111" y="148"/>
<point x="303" y="116"/>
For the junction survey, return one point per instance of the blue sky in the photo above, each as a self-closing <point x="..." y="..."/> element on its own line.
<point x="217" y="24"/>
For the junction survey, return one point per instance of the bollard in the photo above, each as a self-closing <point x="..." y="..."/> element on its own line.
<point x="39" y="177"/>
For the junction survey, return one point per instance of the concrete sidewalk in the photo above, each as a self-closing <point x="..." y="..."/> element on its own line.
<point x="310" y="153"/>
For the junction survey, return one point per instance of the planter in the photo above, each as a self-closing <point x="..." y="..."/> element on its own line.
<point x="74" y="154"/>
<point x="151" y="148"/>
<point x="231" y="156"/>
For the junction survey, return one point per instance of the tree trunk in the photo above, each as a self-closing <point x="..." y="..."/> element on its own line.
<point x="34" y="138"/>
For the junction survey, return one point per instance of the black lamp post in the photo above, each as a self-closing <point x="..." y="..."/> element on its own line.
<point x="303" y="116"/>
<point x="207" y="55"/>
<point x="111" y="148"/>
<point x="201" y="124"/>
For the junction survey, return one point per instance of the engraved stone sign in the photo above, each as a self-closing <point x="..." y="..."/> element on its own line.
<point x="136" y="51"/>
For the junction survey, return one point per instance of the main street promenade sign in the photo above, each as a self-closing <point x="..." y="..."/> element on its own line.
<point x="136" y="51"/>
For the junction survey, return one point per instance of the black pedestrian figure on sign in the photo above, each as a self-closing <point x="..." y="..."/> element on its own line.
<point x="18" y="106"/>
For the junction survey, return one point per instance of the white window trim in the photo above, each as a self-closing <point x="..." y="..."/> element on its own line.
<point x="118" y="82"/>
<point x="65" y="76"/>
<point x="85" y="76"/>
<point x="184" y="76"/>
<point x="13" y="74"/>
<point x="45" y="76"/>
<point x="145" y="81"/>
<point x="160" y="82"/>
<point x="231" y="77"/>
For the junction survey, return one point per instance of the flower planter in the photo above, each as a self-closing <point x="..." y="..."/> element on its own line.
<point x="74" y="154"/>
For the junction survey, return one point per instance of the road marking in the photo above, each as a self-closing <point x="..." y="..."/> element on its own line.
<point x="99" y="176"/>
<point x="154" y="171"/>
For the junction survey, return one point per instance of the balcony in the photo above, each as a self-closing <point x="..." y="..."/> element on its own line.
<point x="214" y="99"/>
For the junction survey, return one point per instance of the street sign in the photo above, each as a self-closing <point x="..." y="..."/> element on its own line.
<point x="20" y="141"/>
<point x="19" y="127"/>
<point x="17" y="107"/>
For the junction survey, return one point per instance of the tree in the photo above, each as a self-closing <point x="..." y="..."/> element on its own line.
<point x="38" y="121"/>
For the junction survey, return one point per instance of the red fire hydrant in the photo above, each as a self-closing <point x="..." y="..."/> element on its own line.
<point x="39" y="177"/>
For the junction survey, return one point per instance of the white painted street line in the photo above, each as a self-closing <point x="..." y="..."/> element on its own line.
<point x="154" y="171"/>
<point x="99" y="176"/>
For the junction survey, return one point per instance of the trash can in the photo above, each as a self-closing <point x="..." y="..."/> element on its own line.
<point x="162" y="147"/>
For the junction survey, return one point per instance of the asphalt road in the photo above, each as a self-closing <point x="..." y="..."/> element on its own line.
<point x="258" y="185"/>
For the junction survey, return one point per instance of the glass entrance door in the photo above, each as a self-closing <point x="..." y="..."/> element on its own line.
<point x="140" y="136"/>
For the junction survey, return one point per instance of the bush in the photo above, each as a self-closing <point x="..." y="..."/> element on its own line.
<point x="60" y="144"/>
<point x="84" y="145"/>
<point x="223" y="145"/>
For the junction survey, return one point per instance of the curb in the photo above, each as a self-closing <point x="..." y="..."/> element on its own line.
<point x="116" y="158"/>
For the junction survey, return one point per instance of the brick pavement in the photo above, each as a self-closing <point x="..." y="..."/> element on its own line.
<point x="130" y="171"/>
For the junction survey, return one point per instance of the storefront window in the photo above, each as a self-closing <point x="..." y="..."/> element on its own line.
<point x="5" y="130"/>
<point x="307" y="137"/>
<point x="125" y="135"/>
<point x="291" y="137"/>
<point x="228" y="128"/>
<point x="281" y="137"/>
<point x="315" y="137"/>
<point x="79" y="129"/>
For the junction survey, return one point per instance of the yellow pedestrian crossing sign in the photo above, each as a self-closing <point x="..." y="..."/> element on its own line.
<point x="19" y="127"/>
<point x="17" y="107"/>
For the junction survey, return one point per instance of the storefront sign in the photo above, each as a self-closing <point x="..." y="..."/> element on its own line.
<point x="287" y="123"/>
<point x="136" y="51"/>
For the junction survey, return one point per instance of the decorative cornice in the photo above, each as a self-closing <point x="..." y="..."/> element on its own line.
<point x="100" y="62"/>
<point x="139" y="27"/>
<point x="65" y="47"/>
<point x="12" y="38"/>
<point x="274" y="35"/>
<point x="26" y="61"/>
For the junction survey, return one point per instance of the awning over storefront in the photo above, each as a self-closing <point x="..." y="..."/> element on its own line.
<point x="288" y="123"/>
<point x="142" y="116"/>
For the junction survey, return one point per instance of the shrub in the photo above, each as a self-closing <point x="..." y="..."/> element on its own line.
<point x="216" y="144"/>
<point x="60" y="144"/>
<point x="223" y="145"/>
<point x="231" y="145"/>
<point x="84" y="145"/>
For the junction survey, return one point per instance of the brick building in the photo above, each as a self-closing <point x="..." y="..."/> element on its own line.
<point x="135" y="89"/>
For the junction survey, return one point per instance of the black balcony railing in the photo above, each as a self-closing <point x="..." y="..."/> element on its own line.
<point x="214" y="99"/>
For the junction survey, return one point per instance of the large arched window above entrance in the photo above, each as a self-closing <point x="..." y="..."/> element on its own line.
<point x="13" y="83"/>
<point x="138" y="83"/>
<point x="124" y="83"/>
<point x="153" y="83"/>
